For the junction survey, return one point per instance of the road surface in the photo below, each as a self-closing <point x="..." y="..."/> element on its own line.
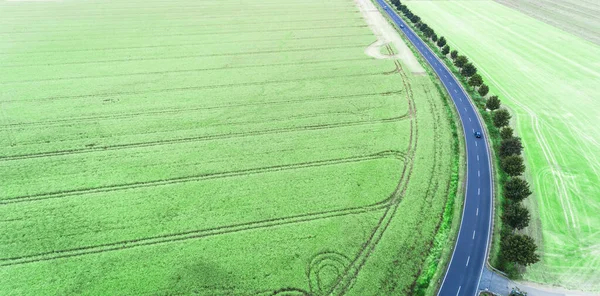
<point x="470" y="252"/>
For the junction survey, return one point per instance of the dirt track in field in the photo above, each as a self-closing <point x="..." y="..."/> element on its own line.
<point x="386" y="34"/>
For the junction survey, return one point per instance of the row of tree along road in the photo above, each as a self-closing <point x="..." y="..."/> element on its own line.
<point x="516" y="250"/>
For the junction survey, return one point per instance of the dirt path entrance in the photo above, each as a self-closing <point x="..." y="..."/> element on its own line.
<point x="500" y="285"/>
<point x="543" y="290"/>
<point x="386" y="34"/>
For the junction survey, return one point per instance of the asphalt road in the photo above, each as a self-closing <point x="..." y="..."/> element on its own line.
<point x="468" y="259"/>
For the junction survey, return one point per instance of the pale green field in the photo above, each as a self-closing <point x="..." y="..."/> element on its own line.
<point x="550" y="80"/>
<point x="214" y="148"/>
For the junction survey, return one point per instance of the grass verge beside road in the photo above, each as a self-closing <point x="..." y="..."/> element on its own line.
<point x="439" y="256"/>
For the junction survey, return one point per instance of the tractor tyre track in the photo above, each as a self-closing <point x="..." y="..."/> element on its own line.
<point x="194" y="34"/>
<point x="92" y="28"/>
<point x="175" y="237"/>
<point x="187" y="88"/>
<point x="200" y="138"/>
<point x="193" y="15"/>
<point x="344" y="282"/>
<point x="384" y="204"/>
<point x="433" y="184"/>
<point x="201" y="177"/>
<point x="67" y="121"/>
<point x="226" y="67"/>
<point x="147" y="241"/>
<point x="189" y="56"/>
<point x="178" y="45"/>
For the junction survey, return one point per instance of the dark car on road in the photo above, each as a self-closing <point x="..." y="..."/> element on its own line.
<point x="478" y="134"/>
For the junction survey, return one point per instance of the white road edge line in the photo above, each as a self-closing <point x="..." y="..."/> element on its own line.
<point x="420" y="43"/>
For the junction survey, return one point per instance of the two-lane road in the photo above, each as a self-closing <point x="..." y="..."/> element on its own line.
<point x="470" y="251"/>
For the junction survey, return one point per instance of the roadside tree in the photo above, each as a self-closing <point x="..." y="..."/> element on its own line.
<point x="446" y="49"/>
<point x="454" y="54"/>
<point x="501" y="118"/>
<point x="493" y="103"/>
<point x="516" y="216"/>
<point x="516" y="189"/>
<point x="483" y="90"/>
<point x="519" y="249"/>
<point x="441" y="42"/>
<point x="510" y="146"/>
<point x="428" y="32"/>
<point x="475" y="80"/>
<point x="506" y="133"/>
<point x="468" y="70"/>
<point x="513" y="165"/>
<point x="460" y="61"/>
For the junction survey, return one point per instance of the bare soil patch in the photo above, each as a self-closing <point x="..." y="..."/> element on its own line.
<point x="546" y="290"/>
<point x="386" y="34"/>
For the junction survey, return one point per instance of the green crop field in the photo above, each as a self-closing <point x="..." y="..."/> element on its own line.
<point x="550" y="80"/>
<point x="215" y="148"/>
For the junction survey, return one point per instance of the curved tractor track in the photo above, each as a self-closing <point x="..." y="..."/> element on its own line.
<point x="346" y="278"/>
<point x="346" y="267"/>
<point x="347" y="271"/>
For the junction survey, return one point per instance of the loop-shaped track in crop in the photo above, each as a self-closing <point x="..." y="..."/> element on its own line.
<point x="331" y="260"/>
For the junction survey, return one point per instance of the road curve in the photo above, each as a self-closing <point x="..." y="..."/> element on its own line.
<point x="470" y="251"/>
